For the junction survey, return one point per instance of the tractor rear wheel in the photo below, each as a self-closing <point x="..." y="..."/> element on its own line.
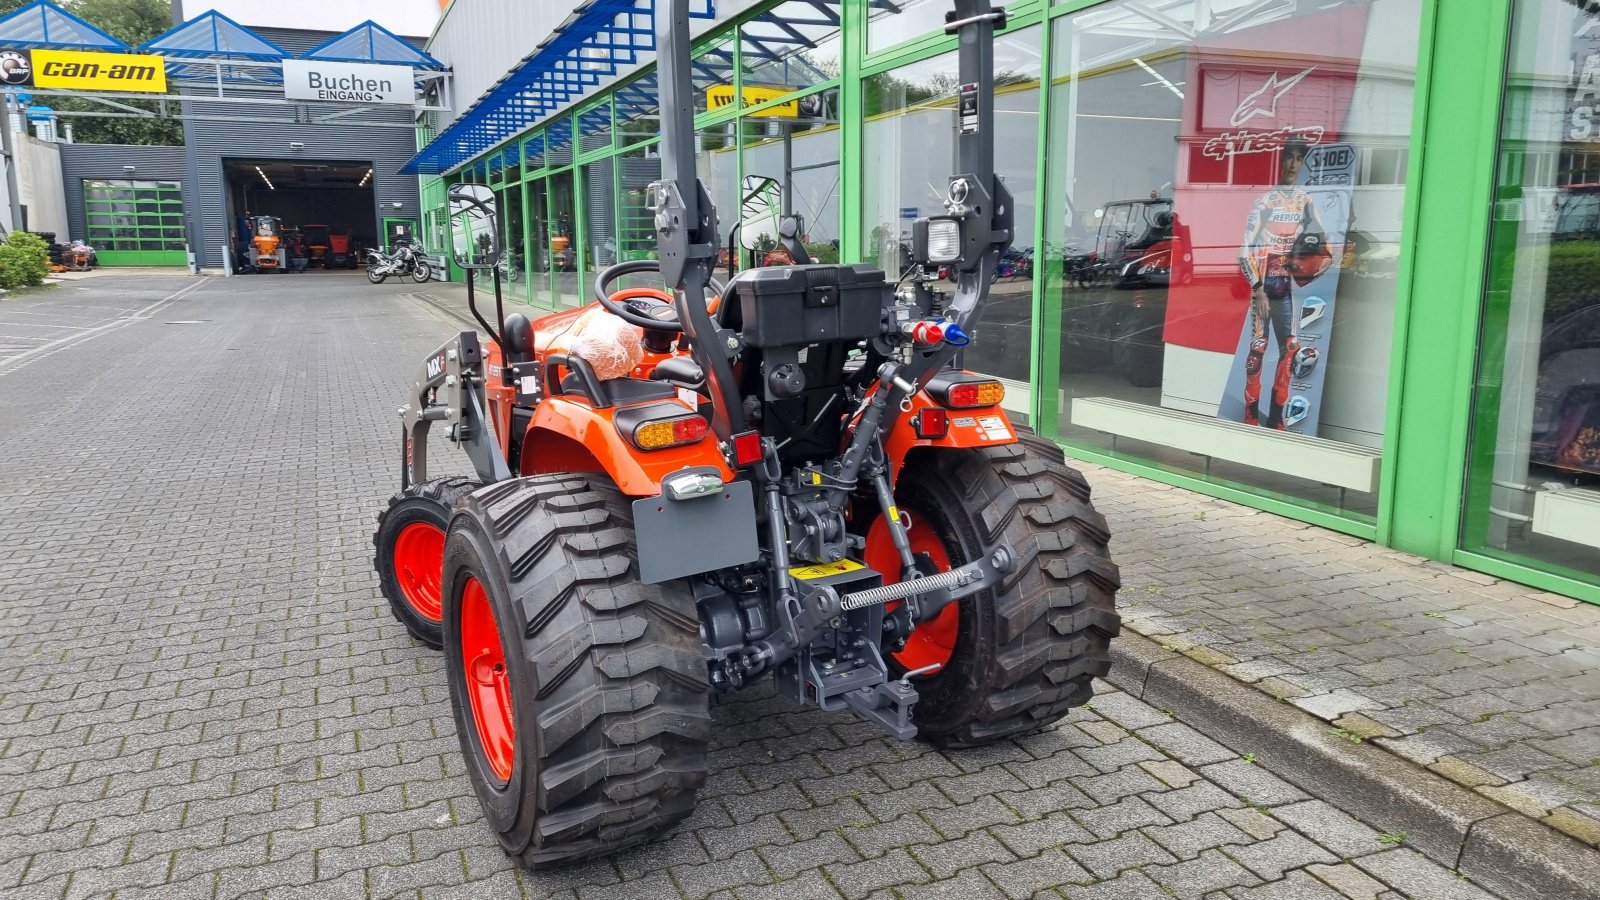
<point x="579" y="693"/>
<point x="1018" y="656"/>
<point x="409" y="552"/>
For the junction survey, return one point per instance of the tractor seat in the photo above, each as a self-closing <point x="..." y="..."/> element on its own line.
<point x="620" y="391"/>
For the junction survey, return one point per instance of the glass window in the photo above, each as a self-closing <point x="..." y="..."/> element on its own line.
<point x="789" y="48"/>
<point x="895" y="23"/>
<point x="513" y="169"/>
<point x="800" y="149"/>
<point x="1223" y="227"/>
<point x="712" y="75"/>
<point x="512" y="242"/>
<point x="638" y="111"/>
<point x="1534" y="479"/>
<point x="717" y="163"/>
<point x="909" y="154"/>
<point x="540" y="259"/>
<point x="594" y="127"/>
<point x="636" y="224"/>
<point x="564" y="240"/>
<point x="533" y="152"/>
<point x="599" y="222"/>
<point x="558" y="143"/>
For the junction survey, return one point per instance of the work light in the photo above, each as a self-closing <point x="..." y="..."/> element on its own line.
<point x="937" y="239"/>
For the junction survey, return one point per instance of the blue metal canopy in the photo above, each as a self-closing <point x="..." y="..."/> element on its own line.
<point x="213" y="35"/>
<point x="597" y="40"/>
<point x="370" y="42"/>
<point x="45" y="25"/>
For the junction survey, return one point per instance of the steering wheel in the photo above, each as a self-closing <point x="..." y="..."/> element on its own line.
<point x="650" y="308"/>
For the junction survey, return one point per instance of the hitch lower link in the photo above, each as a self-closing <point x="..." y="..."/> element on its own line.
<point x="802" y="620"/>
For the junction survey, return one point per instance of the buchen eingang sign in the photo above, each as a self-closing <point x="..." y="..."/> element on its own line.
<point x="309" y="79"/>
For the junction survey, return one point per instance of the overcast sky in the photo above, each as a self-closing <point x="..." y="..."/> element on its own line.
<point x="410" y="18"/>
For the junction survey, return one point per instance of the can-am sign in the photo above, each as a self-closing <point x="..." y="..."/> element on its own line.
<point x="82" y="71"/>
<point x="310" y="79"/>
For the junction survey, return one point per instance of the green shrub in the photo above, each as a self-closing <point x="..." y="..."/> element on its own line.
<point x="823" y="252"/>
<point x="24" y="260"/>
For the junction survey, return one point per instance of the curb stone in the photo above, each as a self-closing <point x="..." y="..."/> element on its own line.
<point x="1455" y="827"/>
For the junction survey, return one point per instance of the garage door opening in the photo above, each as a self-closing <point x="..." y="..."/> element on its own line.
<point x="327" y="214"/>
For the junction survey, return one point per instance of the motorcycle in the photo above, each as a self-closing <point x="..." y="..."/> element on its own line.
<point x="405" y="260"/>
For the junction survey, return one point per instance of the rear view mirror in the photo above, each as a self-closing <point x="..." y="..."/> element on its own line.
<point x="758" y="213"/>
<point x="474" y="226"/>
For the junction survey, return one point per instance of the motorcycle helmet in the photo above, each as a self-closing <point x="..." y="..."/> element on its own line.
<point x="1305" y="362"/>
<point x="1309" y="258"/>
<point x="1296" y="410"/>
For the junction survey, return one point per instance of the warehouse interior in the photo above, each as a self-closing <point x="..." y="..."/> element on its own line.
<point x="336" y="194"/>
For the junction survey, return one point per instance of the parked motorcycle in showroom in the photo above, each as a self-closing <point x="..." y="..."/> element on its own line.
<point x="406" y="259"/>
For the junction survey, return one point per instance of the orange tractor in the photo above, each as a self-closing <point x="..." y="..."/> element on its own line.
<point x="783" y="475"/>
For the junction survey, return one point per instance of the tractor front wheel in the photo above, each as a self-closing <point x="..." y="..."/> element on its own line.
<point x="579" y="693"/>
<point x="1018" y="656"/>
<point x="409" y="552"/>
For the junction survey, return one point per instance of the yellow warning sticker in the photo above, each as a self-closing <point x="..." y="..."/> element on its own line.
<point x="823" y="570"/>
<point x="894" y="512"/>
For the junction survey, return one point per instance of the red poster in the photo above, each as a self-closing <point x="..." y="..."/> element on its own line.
<point x="1250" y="91"/>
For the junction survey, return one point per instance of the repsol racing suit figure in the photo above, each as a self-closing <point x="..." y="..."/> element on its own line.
<point x="1277" y="220"/>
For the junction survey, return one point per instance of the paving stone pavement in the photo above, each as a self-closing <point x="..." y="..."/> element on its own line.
<point x="202" y="693"/>
<point x="1491" y="684"/>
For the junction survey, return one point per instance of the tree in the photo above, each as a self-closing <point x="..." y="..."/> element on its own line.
<point x="133" y="22"/>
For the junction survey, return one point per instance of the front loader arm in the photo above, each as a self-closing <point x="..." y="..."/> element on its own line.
<point x="450" y="389"/>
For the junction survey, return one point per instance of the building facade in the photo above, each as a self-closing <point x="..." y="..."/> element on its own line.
<point x="1335" y="259"/>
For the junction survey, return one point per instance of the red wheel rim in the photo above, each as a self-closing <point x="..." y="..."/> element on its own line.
<point x="488" y="687"/>
<point x="931" y="642"/>
<point x="418" y="562"/>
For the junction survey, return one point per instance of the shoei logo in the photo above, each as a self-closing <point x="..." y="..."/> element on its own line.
<point x="1263" y="103"/>
<point x="78" y="70"/>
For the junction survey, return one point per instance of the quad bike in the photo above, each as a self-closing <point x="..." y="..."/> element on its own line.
<point x="792" y="480"/>
<point x="405" y="260"/>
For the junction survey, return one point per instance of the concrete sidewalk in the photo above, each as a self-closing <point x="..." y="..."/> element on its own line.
<point x="1490" y="684"/>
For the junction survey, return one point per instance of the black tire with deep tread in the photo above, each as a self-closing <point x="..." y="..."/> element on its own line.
<point x="1028" y="650"/>
<point x="608" y="678"/>
<point x="430" y="501"/>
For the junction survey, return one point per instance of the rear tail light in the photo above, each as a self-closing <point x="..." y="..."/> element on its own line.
<point x="970" y="394"/>
<point x="659" y="434"/>
<point x="931" y="423"/>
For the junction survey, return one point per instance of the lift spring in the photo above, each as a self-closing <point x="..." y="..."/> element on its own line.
<point x="903" y="589"/>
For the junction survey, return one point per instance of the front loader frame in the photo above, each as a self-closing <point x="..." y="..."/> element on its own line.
<point x="449" y="390"/>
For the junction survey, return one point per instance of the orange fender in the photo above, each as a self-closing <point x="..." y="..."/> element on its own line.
<point x="984" y="427"/>
<point x="571" y="436"/>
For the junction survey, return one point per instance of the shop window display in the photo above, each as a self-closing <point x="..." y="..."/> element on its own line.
<point x="1226" y="195"/>
<point x="1534" y="477"/>
<point x="908" y="153"/>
